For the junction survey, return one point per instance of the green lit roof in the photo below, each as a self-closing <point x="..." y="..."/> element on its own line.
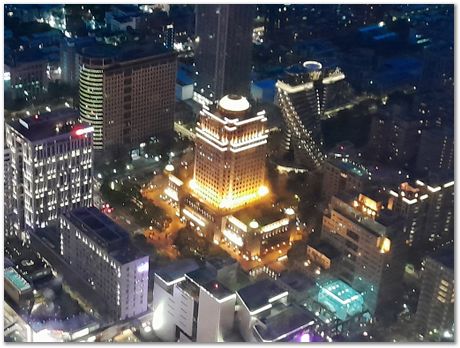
<point x="340" y="298"/>
<point x="15" y="278"/>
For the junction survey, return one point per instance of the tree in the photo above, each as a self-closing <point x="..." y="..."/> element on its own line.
<point x="189" y="244"/>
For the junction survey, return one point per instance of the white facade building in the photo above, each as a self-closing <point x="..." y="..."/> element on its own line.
<point x="50" y="168"/>
<point x="191" y="306"/>
<point x="100" y="249"/>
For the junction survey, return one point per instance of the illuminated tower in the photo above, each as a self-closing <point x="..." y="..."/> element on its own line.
<point x="230" y="151"/>
<point x="93" y="61"/>
<point x="302" y="96"/>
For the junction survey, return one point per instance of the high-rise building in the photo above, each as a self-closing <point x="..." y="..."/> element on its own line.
<point x="101" y="252"/>
<point x="68" y="49"/>
<point x="428" y="211"/>
<point x="371" y="241"/>
<point x="394" y="137"/>
<point x="436" y="304"/>
<point x="223" y="50"/>
<point x="25" y="74"/>
<point x="7" y="193"/>
<point x="302" y="96"/>
<point x="436" y="150"/>
<point x="51" y="168"/>
<point x="342" y="174"/>
<point x="127" y="94"/>
<point x="230" y="151"/>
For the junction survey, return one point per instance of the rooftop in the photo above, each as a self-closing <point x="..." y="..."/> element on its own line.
<point x="125" y="52"/>
<point x="297" y="281"/>
<point x="348" y="166"/>
<point x="283" y="325"/>
<point x="104" y="232"/>
<point x="15" y="278"/>
<point x="445" y="257"/>
<point x="235" y="103"/>
<point x="260" y="294"/>
<point x="205" y="278"/>
<point x="47" y="125"/>
<point x="176" y="270"/>
<point x="326" y="249"/>
<point x="263" y="213"/>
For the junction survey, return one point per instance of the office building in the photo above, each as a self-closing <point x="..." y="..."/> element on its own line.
<point x="223" y="52"/>
<point x="342" y="174"/>
<point x="69" y="58"/>
<point x="394" y="137"/>
<point x="127" y="93"/>
<point x="101" y="252"/>
<point x="266" y="315"/>
<point x="436" y="150"/>
<point x="25" y="74"/>
<point x="371" y="242"/>
<point x="436" y="304"/>
<point x="428" y="211"/>
<point x="302" y="96"/>
<point x="51" y="168"/>
<point x="192" y="306"/>
<point x="230" y="151"/>
<point x="7" y="193"/>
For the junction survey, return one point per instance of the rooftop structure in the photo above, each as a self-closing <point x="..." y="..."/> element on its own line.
<point x="15" y="278"/>
<point x="340" y="299"/>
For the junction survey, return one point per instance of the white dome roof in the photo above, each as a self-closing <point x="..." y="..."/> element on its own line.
<point x="234" y="103"/>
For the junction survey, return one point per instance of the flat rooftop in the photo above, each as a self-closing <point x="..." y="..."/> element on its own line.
<point x="326" y="249"/>
<point x="341" y="292"/>
<point x="207" y="280"/>
<point x="445" y="257"/>
<point x="348" y="167"/>
<point x="40" y="127"/>
<point x="264" y="213"/>
<point x="104" y="232"/>
<point x="259" y="294"/>
<point x="297" y="281"/>
<point x="124" y="52"/>
<point x="15" y="278"/>
<point x="282" y="325"/>
<point x="177" y="269"/>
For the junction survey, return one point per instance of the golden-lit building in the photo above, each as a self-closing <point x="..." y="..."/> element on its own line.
<point x="230" y="152"/>
<point x="371" y="241"/>
<point x="227" y="199"/>
<point x="255" y="233"/>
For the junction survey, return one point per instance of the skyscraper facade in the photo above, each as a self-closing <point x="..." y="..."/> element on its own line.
<point x="230" y="151"/>
<point x="223" y="50"/>
<point x="302" y="96"/>
<point x="127" y="95"/>
<point x="51" y="168"/>
<point x="428" y="211"/>
<point x="435" y="309"/>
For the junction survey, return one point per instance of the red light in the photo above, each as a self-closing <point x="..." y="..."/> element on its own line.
<point x="36" y="117"/>
<point x="80" y="130"/>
